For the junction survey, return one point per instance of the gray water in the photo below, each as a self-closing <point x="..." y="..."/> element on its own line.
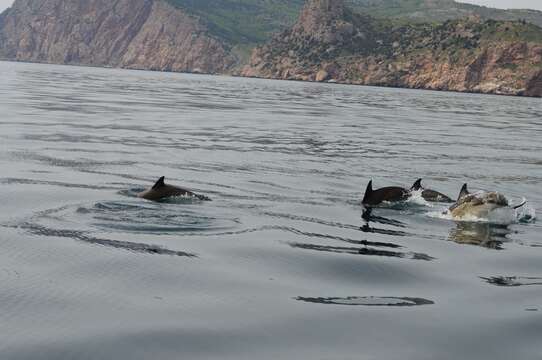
<point x="280" y="264"/>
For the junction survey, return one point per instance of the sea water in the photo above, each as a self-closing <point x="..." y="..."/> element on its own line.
<point x="280" y="264"/>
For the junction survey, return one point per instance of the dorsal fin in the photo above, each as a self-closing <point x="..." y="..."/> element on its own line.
<point x="159" y="183"/>
<point x="464" y="192"/>
<point x="368" y="191"/>
<point x="417" y="185"/>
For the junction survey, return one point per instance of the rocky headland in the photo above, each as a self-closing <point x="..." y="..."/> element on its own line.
<point x="134" y="34"/>
<point x="332" y="43"/>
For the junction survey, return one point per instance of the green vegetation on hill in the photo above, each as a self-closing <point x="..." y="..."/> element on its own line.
<point x="243" y="21"/>
<point x="511" y="31"/>
<point x="440" y="10"/>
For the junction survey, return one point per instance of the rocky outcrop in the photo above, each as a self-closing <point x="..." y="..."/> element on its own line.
<point x="534" y="86"/>
<point x="331" y="43"/>
<point x="139" y="34"/>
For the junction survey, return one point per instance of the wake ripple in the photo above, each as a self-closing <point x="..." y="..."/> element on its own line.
<point x="39" y="230"/>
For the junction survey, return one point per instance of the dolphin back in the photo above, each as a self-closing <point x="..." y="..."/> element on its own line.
<point x="161" y="190"/>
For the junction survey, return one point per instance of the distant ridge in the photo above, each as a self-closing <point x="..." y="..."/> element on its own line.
<point x="441" y="10"/>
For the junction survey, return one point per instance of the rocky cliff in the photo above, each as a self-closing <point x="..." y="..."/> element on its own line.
<point x="332" y="43"/>
<point x="138" y="34"/>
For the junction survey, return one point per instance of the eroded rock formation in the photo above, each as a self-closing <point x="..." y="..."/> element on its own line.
<point x="331" y="43"/>
<point x="141" y="34"/>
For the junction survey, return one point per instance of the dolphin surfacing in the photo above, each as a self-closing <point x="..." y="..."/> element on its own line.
<point x="478" y="205"/>
<point x="385" y="194"/>
<point x="161" y="191"/>
<point x="430" y="195"/>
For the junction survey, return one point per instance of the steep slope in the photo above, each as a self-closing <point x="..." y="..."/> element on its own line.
<point x="145" y="34"/>
<point x="330" y="42"/>
<point x="243" y="21"/>
<point x="249" y="22"/>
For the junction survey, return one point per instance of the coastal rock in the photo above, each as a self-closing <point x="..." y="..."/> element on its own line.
<point x="322" y="75"/>
<point x="139" y="34"/>
<point x="469" y="55"/>
<point x="173" y="41"/>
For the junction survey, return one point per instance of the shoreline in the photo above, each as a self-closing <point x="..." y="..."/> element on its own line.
<point x="271" y="78"/>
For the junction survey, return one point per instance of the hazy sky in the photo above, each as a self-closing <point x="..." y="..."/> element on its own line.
<point x="532" y="4"/>
<point x="506" y="4"/>
<point x="5" y="3"/>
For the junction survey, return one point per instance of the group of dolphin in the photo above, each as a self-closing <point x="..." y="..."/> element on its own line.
<point x="476" y="205"/>
<point x="467" y="206"/>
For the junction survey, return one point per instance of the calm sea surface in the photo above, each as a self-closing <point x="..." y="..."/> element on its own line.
<point x="279" y="265"/>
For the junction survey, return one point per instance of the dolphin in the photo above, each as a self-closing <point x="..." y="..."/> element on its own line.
<point x="430" y="195"/>
<point x="478" y="205"/>
<point x="161" y="191"/>
<point x="388" y="194"/>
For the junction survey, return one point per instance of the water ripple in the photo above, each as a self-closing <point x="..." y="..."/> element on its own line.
<point x="39" y="230"/>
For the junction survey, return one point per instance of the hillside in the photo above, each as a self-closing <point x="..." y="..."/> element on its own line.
<point x="250" y="22"/>
<point x="440" y="11"/>
<point x="134" y="34"/>
<point x="243" y="21"/>
<point x="330" y="42"/>
<point x="242" y="24"/>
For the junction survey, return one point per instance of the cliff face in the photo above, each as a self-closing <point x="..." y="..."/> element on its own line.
<point x="142" y="34"/>
<point x="331" y="43"/>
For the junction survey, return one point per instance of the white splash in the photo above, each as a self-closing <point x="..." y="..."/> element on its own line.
<point x="416" y="198"/>
<point x="499" y="216"/>
<point x="526" y="214"/>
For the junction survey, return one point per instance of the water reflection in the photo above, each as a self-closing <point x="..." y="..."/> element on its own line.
<point x="367" y="301"/>
<point x="362" y="251"/>
<point x="512" y="280"/>
<point x="490" y="236"/>
<point x="368" y="229"/>
<point x="368" y="216"/>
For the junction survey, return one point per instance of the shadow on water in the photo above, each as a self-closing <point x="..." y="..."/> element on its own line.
<point x="367" y="301"/>
<point x="512" y="281"/>
<point x="491" y="236"/>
